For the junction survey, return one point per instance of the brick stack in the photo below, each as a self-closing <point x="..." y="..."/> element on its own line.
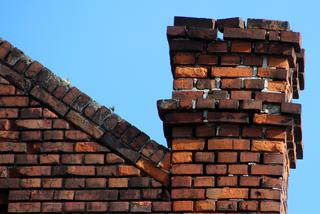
<point x="231" y="124"/>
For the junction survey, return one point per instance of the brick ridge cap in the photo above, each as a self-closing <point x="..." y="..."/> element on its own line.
<point x="101" y="123"/>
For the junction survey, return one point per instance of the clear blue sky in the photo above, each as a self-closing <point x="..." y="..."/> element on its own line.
<point x="117" y="52"/>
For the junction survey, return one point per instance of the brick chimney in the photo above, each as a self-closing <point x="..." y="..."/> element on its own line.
<point x="231" y="125"/>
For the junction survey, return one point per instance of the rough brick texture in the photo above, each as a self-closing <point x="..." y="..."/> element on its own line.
<point x="231" y="127"/>
<point x="234" y="138"/>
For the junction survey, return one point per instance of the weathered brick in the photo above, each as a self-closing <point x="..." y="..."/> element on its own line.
<point x="278" y="86"/>
<point x="183" y="83"/>
<point x="208" y="59"/>
<point x="252" y="60"/>
<point x="227" y="117"/>
<point x="163" y="206"/>
<point x="81" y="170"/>
<point x="228" y="83"/>
<point x="34" y="171"/>
<point x="227" y="193"/>
<point x="204" y="181"/>
<point x="176" y="31"/>
<point x="140" y="206"/>
<point x="269" y="119"/>
<point x="201" y="33"/>
<point x="96" y="183"/>
<point x="270" y="206"/>
<point x="194" y="22"/>
<point x="266" y="170"/>
<point x="240" y="47"/>
<point x="187" y="193"/>
<point x="291" y="37"/>
<point x="228" y="144"/>
<point x="248" y="205"/>
<point x="97" y="207"/>
<point x="186" y="45"/>
<point x="278" y="62"/>
<point x="238" y="33"/>
<point x="194" y="72"/>
<point x="226" y="205"/>
<point x="231" y="72"/>
<point x="184" y="58"/>
<point x="181" y="181"/>
<point x="41" y="195"/>
<point x="187" y="169"/>
<point x="14" y="101"/>
<point x="51" y="207"/>
<point x="119" y="206"/>
<point x="249" y="157"/>
<point x="74" y="206"/>
<point x="241" y="95"/>
<point x="92" y="195"/>
<point x="273" y="194"/>
<point x="30" y="183"/>
<point x="182" y="206"/>
<point x="218" y="47"/>
<point x="24" y="207"/>
<point x="218" y="169"/>
<point x="205" y="205"/>
<point x="188" y="144"/>
<point x="182" y="157"/>
<point x="49" y="159"/>
<point x="268" y="146"/>
<point x="250" y="181"/>
<point x="227" y="181"/>
<point x="238" y="169"/>
<point x="270" y="97"/>
<point x="268" y="24"/>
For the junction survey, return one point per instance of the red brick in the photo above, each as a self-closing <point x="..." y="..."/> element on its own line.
<point x="249" y="157"/>
<point x="89" y="147"/>
<point x="92" y="195"/>
<point x="205" y="103"/>
<point x="64" y="195"/>
<point x="226" y="206"/>
<point x="270" y="97"/>
<point x="72" y="158"/>
<point x="186" y="45"/>
<point x="254" y="83"/>
<point x="152" y="170"/>
<point x="12" y="147"/>
<point x="250" y="181"/>
<point x="206" y="84"/>
<point x="268" y="24"/>
<point x="208" y="60"/>
<point x="276" y="133"/>
<point x="81" y="170"/>
<point x="270" y="158"/>
<point x="252" y="60"/>
<point x="53" y="135"/>
<point x="240" y="47"/>
<point x="228" y="104"/>
<point x="97" y="207"/>
<point x="19" y="195"/>
<point x="273" y="194"/>
<point x="176" y="31"/>
<point x="218" y="47"/>
<point x="130" y="194"/>
<point x="204" y="181"/>
<point x="270" y="206"/>
<point x="181" y="157"/>
<point x="227" y="181"/>
<point x="60" y="124"/>
<point x="51" y="182"/>
<point x="291" y="37"/>
<point x="182" y="132"/>
<point x="205" y="157"/>
<point x="238" y="33"/>
<point x="268" y="119"/>
<point x="74" y="183"/>
<point x="241" y="95"/>
<point x="183" y="117"/>
<point x="52" y="207"/>
<point x="268" y="146"/>
<point x="248" y="205"/>
<point x="187" y="144"/>
<point x="33" y="124"/>
<point x="34" y="171"/>
<point x="205" y="205"/>
<point x="234" y="22"/>
<point x="278" y="62"/>
<point x="270" y="182"/>
<point x="187" y="169"/>
<point x="181" y="181"/>
<point x="140" y="206"/>
<point x="205" y="131"/>
<point x="227" y="83"/>
<point x="125" y="170"/>
<point x="162" y="206"/>
<point x="113" y="158"/>
<point x="50" y="159"/>
<point x="117" y="206"/>
<point x="228" y="144"/>
<point x="76" y="135"/>
<point x="266" y="170"/>
<point x="31" y="112"/>
<point x="195" y="72"/>
<point x="41" y="195"/>
<point x="24" y="207"/>
<point x="184" y="58"/>
<point x="292" y="108"/>
<point x="31" y="135"/>
<point x="216" y="169"/>
<point x="187" y="193"/>
<point x="273" y="73"/>
<point x="30" y="183"/>
<point x="227" y="193"/>
<point x="182" y="206"/>
<point x="229" y="131"/>
<point x="238" y="169"/>
<point x="183" y="83"/>
<point x="74" y="206"/>
<point x="94" y="159"/>
<point x="230" y="60"/>
<point x="253" y="132"/>
<point x="14" y="101"/>
<point x="96" y="183"/>
<point x="6" y="158"/>
<point x="8" y="113"/>
<point x="231" y="72"/>
<point x="7" y="90"/>
<point x="228" y="117"/>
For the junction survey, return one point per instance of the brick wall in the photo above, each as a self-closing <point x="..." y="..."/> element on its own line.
<point x="232" y="130"/>
<point x="231" y="124"/>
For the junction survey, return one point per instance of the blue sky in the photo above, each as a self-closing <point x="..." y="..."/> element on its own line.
<point x="117" y="52"/>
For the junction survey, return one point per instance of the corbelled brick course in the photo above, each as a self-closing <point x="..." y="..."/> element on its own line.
<point x="231" y="128"/>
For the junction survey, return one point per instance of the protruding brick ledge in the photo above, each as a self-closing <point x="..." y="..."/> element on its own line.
<point x="78" y="108"/>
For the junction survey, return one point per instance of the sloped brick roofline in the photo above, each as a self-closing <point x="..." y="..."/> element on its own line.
<point x="78" y="108"/>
